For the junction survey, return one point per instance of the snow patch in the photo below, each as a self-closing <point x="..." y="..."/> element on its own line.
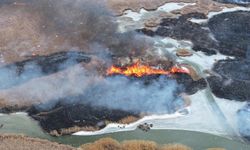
<point x="168" y="7"/>
<point x="211" y="14"/>
<point x="229" y="109"/>
<point x="114" y="127"/>
<point x="204" y="61"/>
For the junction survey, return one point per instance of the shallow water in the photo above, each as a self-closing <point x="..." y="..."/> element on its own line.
<point x="22" y="124"/>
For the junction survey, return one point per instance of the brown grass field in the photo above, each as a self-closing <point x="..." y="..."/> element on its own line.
<point x="18" y="142"/>
<point x="111" y="144"/>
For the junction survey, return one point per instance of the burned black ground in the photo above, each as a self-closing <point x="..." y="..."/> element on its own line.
<point x="38" y="66"/>
<point x="65" y="115"/>
<point x="183" y="29"/>
<point x="231" y="32"/>
<point x="237" y="2"/>
<point x="232" y="80"/>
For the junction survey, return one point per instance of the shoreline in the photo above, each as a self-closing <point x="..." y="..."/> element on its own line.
<point x="115" y="127"/>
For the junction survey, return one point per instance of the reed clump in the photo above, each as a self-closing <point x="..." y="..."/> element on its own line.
<point x="111" y="144"/>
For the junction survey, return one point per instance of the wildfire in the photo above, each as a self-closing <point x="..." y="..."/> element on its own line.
<point x="140" y="70"/>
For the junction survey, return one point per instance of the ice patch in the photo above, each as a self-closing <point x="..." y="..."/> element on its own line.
<point x="211" y="14"/>
<point x="229" y="109"/>
<point x="114" y="127"/>
<point x="204" y="61"/>
<point x="168" y="7"/>
<point x="135" y="15"/>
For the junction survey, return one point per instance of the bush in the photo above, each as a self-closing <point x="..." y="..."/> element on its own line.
<point x="111" y="144"/>
<point x="102" y="144"/>
<point x="139" y="145"/>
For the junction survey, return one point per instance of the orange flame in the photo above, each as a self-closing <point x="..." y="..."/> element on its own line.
<point x="140" y="70"/>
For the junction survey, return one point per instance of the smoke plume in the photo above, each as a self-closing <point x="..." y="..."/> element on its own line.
<point x="71" y="23"/>
<point x="83" y="25"/>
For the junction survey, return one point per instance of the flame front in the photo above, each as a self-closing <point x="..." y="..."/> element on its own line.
<point x="140" y="70"/>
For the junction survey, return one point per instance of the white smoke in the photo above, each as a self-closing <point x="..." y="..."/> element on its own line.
<point x="83" y="22"/>
<point x="122" y="93"/>
<point x="111" y="92"/>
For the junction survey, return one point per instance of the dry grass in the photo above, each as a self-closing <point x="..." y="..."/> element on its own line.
<point x="183" y="52"/>
<point x="111" y="144"/>
<point x="139" y="145"/>
<point x="18" y="142"/>
<point x="202" y="6"/>
<point x="21" y="34"/>
<point x="120" y="5"/>
<point x="128" y="120"/>
<point x="103" y="144"/>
